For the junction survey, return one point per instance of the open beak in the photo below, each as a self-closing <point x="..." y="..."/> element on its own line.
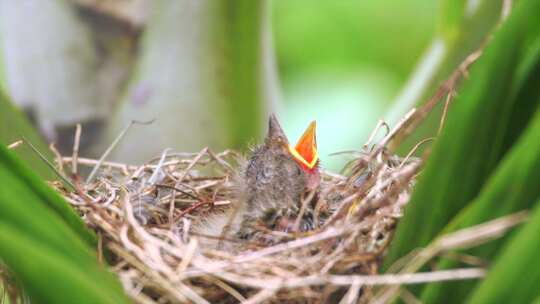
<point x="305" y="151"/>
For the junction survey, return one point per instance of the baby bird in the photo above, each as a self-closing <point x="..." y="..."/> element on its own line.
<point x="276" y="178"/>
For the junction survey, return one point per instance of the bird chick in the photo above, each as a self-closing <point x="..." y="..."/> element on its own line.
<point x="276" y="177"/>
<point x="271" y="187"/>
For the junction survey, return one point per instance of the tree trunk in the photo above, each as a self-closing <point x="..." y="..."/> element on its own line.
<point x="206" y="75"/>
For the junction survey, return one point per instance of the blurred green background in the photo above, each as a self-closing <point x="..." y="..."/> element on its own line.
<point x="339" y="62"/>
<point x="344" y="62"/>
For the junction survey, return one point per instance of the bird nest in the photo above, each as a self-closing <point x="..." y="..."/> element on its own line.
<point x="143" y="215"/>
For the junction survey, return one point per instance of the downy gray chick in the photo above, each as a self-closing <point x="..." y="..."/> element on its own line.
<point x="271" y="187"/>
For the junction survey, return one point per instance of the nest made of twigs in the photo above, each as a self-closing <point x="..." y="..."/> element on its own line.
<point x="143" y="216"/>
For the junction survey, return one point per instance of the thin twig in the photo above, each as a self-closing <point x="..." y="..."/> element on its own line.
<point x="444" y="89"/>
<point x="179" y="190"/>
<point x="261" y="296"/>
<point x="399" y="126"/>
<point x="461" y="239"/>
<point x="349" y="280"/>
<point x="50" y="165"/>
<point x="351" y="296"/>
<point x="113" y="145"/>
<point x="445" y="111"/>
<point x="92" y="162"/>
<point x="15" y="144"/>
<point x="58" y="158"/>
<point x="156" y="175"/>
<point x="327" y="234"/>
<point x="380" y="123"/>
<point x="408" y="297"/>
<point x="413" y="150"/>
<point x="76" y="144"/>
<point x="305" y="202"/>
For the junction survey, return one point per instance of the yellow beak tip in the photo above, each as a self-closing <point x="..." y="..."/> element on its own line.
<point x="305" y="150"/>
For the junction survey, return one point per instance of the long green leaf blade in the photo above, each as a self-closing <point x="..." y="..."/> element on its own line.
<point x="45" y="243"/>
<point x="472" y="143"/>
<point x="515" y="275"/>
<point x="20" y="207"/>
<point x="13" y="126"/>
<point x="46" y="195"/>
<point x="513" y="187"/>
<point x="50" y="278"/>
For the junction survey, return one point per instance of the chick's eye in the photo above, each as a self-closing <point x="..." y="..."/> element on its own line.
<point x="266" y="172"/>
<point x="264" y="175"/>
<point x="298" y="170"/>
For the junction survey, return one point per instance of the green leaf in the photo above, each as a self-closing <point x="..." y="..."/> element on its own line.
<point x="451" y="17"/>
<point x="513" y="187"/>
<point x="475" y="137"/>
<point x="48" y="277"/>
<point x="46" y="244"/>
<point x="465" y="21"/>
<point x="463" y="27"/>
<point x="515" y="274"/>
<point x="2" y="70"/>
<point x="526" y="92"/>
<point x="32" y="200"/>
<point x="22" y="208"/>
<point x="13" y="126"/>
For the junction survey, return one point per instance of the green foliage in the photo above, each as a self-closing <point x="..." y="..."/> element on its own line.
<point x="2" y="70"/>
<point x="343" y="62"/>
<point x="50" y="250"/>
<point x="477" y="159"/>
<point x="14" y="125"/>
<point x="463" y="27"/>
<point x="515" y="274"/>
<point x="514" y="185"/>
<point x="511" y="188"/>
<point x="464" y="24"/>
<point x="21" y="184"/>
<point x="472" y="143"/>
<point x="49" y="277"/>
<point x="452" y="17"/>
<point x="343" y="37"/>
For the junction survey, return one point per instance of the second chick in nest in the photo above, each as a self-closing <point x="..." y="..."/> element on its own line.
<point x="271" y="189"/>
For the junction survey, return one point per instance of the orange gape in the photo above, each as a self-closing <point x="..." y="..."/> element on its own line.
<point x="305" y="151"/>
